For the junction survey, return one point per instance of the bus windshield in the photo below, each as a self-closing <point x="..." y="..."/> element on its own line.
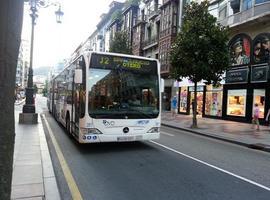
<point x="122" y="88"/>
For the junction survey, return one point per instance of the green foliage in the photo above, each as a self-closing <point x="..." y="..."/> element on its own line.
<point x="120" y="43"/>
<point x="200" y="51"/>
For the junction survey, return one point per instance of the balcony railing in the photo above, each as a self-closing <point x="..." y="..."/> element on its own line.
<point x="240" y="12"/>
<point x="151" y="41"/>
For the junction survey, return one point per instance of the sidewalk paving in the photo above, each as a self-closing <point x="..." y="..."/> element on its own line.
<point x="33" y="174"/>
<point x="230" y="131"/>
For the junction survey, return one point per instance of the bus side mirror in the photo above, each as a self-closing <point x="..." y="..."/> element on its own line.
<point x="162" y="85"/>
<point x="78" y="76"/>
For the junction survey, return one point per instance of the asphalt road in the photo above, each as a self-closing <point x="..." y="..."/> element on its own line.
<point x="180" y="165"/>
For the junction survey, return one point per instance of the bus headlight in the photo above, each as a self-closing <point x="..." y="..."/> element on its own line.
<point x="154" y="130"/>
<point x="93" y="131"/>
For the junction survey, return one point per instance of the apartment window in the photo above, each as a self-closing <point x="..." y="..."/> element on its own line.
<point x="222" y="13"/>
<point x="247" y="4"/>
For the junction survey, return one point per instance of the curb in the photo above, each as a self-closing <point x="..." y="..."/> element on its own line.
<point x="257" y="146"/>
<point x="49" y="180"/>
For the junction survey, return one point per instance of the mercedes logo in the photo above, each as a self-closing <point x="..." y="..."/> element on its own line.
<point x="126" y="130"/>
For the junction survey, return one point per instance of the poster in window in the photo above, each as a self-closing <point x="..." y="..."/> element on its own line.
<point x="261" y="48"/>
<point x="239" y="48"/>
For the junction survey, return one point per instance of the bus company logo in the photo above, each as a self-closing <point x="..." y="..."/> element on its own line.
<point x="107" y="123"/>
<point x="142" y="122"/>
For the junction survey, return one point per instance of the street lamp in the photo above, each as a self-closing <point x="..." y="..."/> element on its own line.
<point x="28" y="115"/>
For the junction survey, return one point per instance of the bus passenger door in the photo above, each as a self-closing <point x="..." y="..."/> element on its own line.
<point x="75" y="109"/>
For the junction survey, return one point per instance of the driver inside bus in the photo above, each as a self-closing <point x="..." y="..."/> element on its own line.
<point x="134" y="101"/>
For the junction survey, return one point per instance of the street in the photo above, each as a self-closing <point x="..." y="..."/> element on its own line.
<point x="180" y="165"/>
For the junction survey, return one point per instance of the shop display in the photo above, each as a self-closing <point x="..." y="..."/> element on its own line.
<point x="213" y="103"/>
<point x="236" y="103"/>
<point x="183" y="100"/>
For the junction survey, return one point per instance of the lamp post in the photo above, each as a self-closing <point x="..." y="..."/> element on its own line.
<point x="29" y="114"/>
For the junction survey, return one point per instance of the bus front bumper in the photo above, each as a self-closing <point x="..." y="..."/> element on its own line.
<point x="118" y="138"/>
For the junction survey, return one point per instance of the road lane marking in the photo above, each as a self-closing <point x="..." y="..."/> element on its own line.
<point x="169" y="134"/>
<point x="215" y="167"/>
<point x="74" y="190"/>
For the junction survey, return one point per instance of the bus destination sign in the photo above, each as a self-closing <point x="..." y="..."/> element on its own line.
<point x="113" y="62"/>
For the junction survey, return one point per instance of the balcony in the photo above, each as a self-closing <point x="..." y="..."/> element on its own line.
<point x="150" y="42"/>
<point x="250" y="14"/>
<point x="154" y="11"/>
<point x="140" y="19"/>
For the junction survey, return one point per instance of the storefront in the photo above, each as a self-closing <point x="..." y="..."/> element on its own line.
<point x="247" y="82"/>
<point x="186" y="96"/>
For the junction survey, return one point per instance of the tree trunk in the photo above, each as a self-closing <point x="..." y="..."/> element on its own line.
<point x="194" y="109"/>
<point x="11" y="15"/>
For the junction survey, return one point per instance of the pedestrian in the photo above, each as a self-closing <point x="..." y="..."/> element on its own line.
<point x="255" y="120"/>
<point x="267" y="117"/>
<point x="174" y="106"/>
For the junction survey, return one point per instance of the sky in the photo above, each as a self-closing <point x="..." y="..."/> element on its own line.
<point x="54" y="42"/>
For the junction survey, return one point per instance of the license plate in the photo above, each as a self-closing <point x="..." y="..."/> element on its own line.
<point x="126" y="138"/>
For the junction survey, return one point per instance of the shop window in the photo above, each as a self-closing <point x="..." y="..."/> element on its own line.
<point x="259" y="98"/>
<point x="199" y="98"/>
<point x="213" y="102"/>
<point x="236" y="103"/>
<point x="183" y="100"/>
<point x="199" y="102"/>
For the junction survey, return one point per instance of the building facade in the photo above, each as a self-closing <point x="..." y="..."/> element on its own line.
<point x="246" y="83"/>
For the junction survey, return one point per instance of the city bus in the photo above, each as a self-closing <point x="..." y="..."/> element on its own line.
<point x="108" y="97"/>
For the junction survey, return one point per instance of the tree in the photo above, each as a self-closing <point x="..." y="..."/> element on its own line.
<point x="120" y="43"/>
<point x="11" y="15"/>
<point x="200" y="51"/>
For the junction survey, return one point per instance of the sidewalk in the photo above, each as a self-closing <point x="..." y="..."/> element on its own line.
<point x="230" y="131"/>
<point x="33" y="174"/>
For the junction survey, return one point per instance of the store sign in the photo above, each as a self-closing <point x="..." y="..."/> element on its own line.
<point x="237" y="75"/>
<point x="259" y="73"/>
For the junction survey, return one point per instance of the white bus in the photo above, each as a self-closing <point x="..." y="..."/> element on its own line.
<point x="108" y="97"/>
